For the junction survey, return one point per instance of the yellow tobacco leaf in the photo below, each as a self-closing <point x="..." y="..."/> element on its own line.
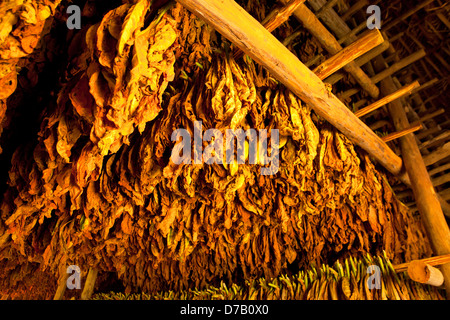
<point x="133" y="21"/>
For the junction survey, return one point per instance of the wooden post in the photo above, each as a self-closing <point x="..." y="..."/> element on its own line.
<point x="399" y="65"/>
<point x="62" y="285"/>
<point x="367" y="42"/>
<point x="329" y="42"/>
<point x="249" y="35"/>
<point x="424" y="193"/>
<point x="89" y="284"/>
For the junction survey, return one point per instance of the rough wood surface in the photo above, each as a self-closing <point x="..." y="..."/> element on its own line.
<point x="89" y="285"/>
<point x="401" y="133"/>
<point x="424" y="193"/>
<point x="385" y="100"/>
<point x="360" y="61"/>
<point x="330" y="44"/>
<point x="439" y="154"/>
<point x="367" y="42"/>
<point x="399" y="65"/>
<point x="244" y="31"/>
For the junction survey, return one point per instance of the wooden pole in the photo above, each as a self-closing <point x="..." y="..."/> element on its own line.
<point x="360" y="61"/>
<point x="333" y="21"/>
<point x="397" y="94"/>
<point x="401" y="133"/>
<point x="432" y="261"/>
<point x="329" y="42"/>
<point x="279" y="16"/>
<point x="406" y="14"/>
<point x="426" y="85"/>
<point x="443" y="137"/>
<point x="233" y="22"/>
<point x="439" y="154"/>
<point x="327" y="6"/>
<point x="367" y="42"/>
<point x="275" y="19"/>
<point x="430" y="116"/>
<point x="353" y="32"/>
<point x="399" y="65"/>
<point x="62" y="285"/>
<point x="89" y="284"/>
<point x="424" y="193"/>
<point x="355" y="8"/>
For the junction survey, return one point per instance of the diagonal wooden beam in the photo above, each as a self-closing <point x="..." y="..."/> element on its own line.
<point x="275" y="19"/>
<point x="330" y="44"/>
<point x="234" y="23"/>
<point x="367" y="42"/>
<point x="401" y="133"/>
<point x="385" y="100"/>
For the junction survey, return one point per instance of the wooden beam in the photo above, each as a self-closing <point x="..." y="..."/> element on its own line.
<point x="360" y="61"/>
<point x="430" y="116"/>
<point x="432" y="261"/>
<point x="353" y="32"/>
<point x="383" y="101"/>
<point x="441" y="180"/>
<point x="275" y="19"/>
<point x="428" y="132"/>
<point x="426" y="85"/>
<point x="437" y="170"/>
<point x="426" y="198"/>
<point x="333" y="21"/>
<point x="401" y="133"/>
<point x="329" y="43"/>
<point x="439" y="154"/>
<point x="405" y="15"/>
<point x="399" y="65"/>
<point x="443" y="19"/>
<point x="367" y="42"/>
<point x="279" y="16"/>
<point x="355" y="8"/>
<point x="327" y="6"/>
<point x="379" y="124"/>
<point x="238" y="26"/>
<point x="443" y="137"/>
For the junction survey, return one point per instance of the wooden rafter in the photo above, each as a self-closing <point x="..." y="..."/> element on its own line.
<point x="250" y="36"/>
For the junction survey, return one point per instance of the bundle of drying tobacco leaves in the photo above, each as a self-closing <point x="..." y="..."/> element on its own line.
<point x="346" y="281"/>
<point x="22" y="26"/>
<point x="99" y="190"/>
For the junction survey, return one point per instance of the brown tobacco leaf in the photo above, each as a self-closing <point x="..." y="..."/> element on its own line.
<point x="98" y="193"/>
